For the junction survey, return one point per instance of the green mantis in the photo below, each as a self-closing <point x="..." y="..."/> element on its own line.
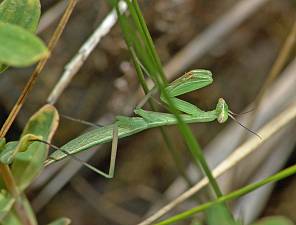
<point x="126" y="126"/>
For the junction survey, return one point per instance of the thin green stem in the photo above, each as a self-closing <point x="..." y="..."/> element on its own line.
<point x="233" y="195"/>
<point x="172" y="150"/>
<point x="176" y="157"/>
<point x="149" y="41"/>
<point x="186" y="132"/>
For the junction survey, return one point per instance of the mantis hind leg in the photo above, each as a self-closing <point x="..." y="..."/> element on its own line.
<point x="113" y="151"/>
<point x="110" y="173"/>
<point x="114" y="146"/>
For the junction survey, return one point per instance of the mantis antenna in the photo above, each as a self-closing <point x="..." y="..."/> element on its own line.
<point x="248" y="129"/>
<point x="242" y="113"/>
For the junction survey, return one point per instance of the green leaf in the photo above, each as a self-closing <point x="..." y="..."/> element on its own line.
<point x="6" y="155"/>
<point x="61" y="221"/>
<point x="28" y="164"/>
<point x="274" y="220"/>
<point x="25" y="13"/>
<point x="134" y="39"/>
<point x="11" y="148"/>
<point x="219" y="215"/>
<point x="11" y="217"/>
<point x="3" y="68"/>
<point x="6" y="203"/>
<point x="19" y="47"/>
<point x="29" y="211"/>
<point x="112" y="2"/>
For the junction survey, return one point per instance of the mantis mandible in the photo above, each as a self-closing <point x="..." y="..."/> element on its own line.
<point x="126" y="126"/>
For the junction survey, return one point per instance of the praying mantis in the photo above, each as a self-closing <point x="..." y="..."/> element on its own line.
<point x="125" y="126"/>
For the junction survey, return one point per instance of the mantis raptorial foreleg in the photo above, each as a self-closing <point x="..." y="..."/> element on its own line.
<point x="190" y="81"/>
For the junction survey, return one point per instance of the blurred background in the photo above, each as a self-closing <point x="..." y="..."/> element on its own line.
<point x="237" y="40"/>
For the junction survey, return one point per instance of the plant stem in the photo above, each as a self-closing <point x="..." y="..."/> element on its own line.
<point x="233" y="195"/>
<point x="185" y="131"/>
<point x="172" y="150"/>
<point x="12" y="188"/>
<point x="139" y="67"/>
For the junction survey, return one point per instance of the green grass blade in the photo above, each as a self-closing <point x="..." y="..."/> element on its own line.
<point x="133" y="41"/>
<point x="233" y="195"/>
<point x="28" y="210"/>
<point x="149" y="42"/>
<point x="161" y="82"/>
<point x="61" y="221"/>
<point x="274" y="220"/>
<point x="11" y="219"/>
<point x="219" y="215"/>
<point x="6" y="203"/>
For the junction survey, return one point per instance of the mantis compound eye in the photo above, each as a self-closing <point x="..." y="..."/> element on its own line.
<point x="222" y="111"/>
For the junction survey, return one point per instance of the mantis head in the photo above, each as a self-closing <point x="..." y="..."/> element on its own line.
<point x="222" y="111"/>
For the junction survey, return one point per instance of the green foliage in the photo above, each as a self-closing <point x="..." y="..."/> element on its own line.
<point x="8" y="151"/>
<point x="28" y="209"/>
<point x="11" y="218"/>
<point x="11" y="148"/>
<point x="23" y="159"/>
<point x="112" y="2"/>
<point x="24" y="13"/>
<point x="27" y="158"/>
<point x="219" y="215"/>
<point x="6" y="203"/>
<point x="146" y="59"/>
<point x="21" y="48"/>
<point x="61" y="221"/>
<point x="274" y="220"/>
<point x="233" y="195"/>
<point x="28" y="164"/>
<point x="18" y="46"/>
